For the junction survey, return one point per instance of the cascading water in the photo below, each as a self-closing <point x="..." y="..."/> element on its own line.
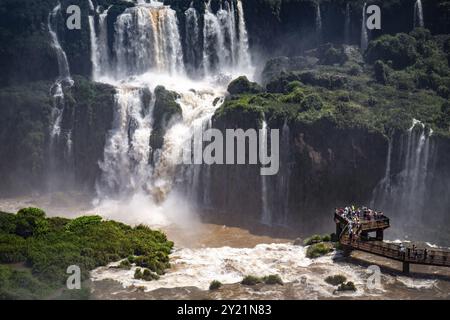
<point x="418" y="15"/>
<point x="63" y="78"/>
<point x="213" y="42"/>
<point x="244" y="60"/>
<point x="405" y="193"/>
<point x="125" y="165"/>
<point x="147" y="39"/>
<point x="192" y="41"/>
<point x="60" y="147"/>
<point x="147" y="53"/>
<point x="318" y="23"/>
<point x="63" y="64"/>
<point x="266" y="216"/>
<point x="347" y="24"/>
<point x="364" y="34"/>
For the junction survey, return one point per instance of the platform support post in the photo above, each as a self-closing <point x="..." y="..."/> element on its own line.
<point x="405" y="267"/>
<point x="380" y="235"/>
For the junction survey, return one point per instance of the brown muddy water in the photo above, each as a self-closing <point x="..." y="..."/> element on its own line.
<point x="206" y="252"/>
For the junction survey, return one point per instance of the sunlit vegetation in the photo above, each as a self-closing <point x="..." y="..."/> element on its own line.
<point x="35" y="251"/>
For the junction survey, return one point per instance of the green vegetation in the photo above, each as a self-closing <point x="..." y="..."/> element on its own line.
<point x="272" y="279"/>
<point x="251" y="280"/>
<point x="164" y="110"/>
<point x="215" y="285"/>
<point x="349" y="286"/>
<point x="243" y="85"/>
<point x="336" y="280"/>
<point x="35" y="250"/>
<point x="319" y="249"/>
<point x="316" y="239"/>
<point x="145" y="275"/>
<point x="404" y="76"/>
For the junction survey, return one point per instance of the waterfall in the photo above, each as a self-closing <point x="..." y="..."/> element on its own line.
<point x="192" y="38"/>
<point x="213" y="42"/>
<point x="63" y="64"/>
<point x="91" y="5"/>
<point x="244" y="60"/>
<point x="266" y="216"/>
<point x="283" y="177"/>
<point x="147" y="39"/>
<point x="418" y="15"/>
<point x="147" y="52"/>
<point x="364" y="34"/>
<point x="63" y="79"/>
<point x="347" y="24"/>
<point x="405" y="192"/>
<point x="225" y="43"/>
<point x="125" y="164"/>
<point x="318" y="23"/>
<point x="94" y="48"/>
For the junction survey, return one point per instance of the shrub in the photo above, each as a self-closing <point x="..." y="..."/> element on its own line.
<point x="318" y="250"/>
<point x="125" y="264"/>
<point x="215" y="285"/>
<point x="272" y="279"/>
<point x="313" y="239"/>
<point x="147" y="275"/>
<point x="349" y="286"/>
<point x="81" y="223"/>
<point x="293" y="85"/>
<point x="138" y="273"/>
<point x="399" y="49"/>
<point x="317" y="239"/>
<point x="31" y="222"/>
<point x="243" y="85"/>
<point x="381" y="72"/>
<point x="335" y="280"/>
<point x="311" y="102"/>
<point x="355" y="70"/>
<point x="295" y="96"/>
<point x="251" y="280"/>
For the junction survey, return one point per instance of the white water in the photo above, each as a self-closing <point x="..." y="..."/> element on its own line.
<point x="406" y="194"/>
<point x="63" y="65"/>
<point x="63" y="79"/>
<point x="147" y="39"/>
<point x="266" y="216"/>
<point x="364" y="34"/>
<point x="418" y="14"/>
<point x="318" y="22"/>
<point x="192" y="38"/>
<point x="198" y="267"/>
<point x="149" y="53"/>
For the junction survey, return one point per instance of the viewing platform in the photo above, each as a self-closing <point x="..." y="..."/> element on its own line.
<point x="354" y="233"/>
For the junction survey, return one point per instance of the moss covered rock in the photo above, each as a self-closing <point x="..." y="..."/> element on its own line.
<point x="243" y="85"/>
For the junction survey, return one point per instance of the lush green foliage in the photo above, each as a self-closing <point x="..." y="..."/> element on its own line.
<point x="404" y="77"/>
<point x="318" y="249"/>
<point x="215" y="285"/>
<point x="336" y="279"/>
<point x="317" y="238"/>
<point x="349" y="286"/>
<point x="243" y="85"/>
<point x="45" y="247"/>
<point x="251" y="280"/>
<point x="272" y="279"/>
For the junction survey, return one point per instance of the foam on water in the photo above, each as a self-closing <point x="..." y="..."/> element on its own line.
<point x="198" y="267"/>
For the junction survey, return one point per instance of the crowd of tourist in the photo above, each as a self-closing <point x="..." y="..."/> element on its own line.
<point x="356" y="216"/>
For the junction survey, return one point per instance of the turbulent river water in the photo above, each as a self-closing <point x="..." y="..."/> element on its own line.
<point x="133" y="189"/>
<point x="207" y="252"/>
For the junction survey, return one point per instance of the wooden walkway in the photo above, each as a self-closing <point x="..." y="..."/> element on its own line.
<point x="406" y="255"/>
